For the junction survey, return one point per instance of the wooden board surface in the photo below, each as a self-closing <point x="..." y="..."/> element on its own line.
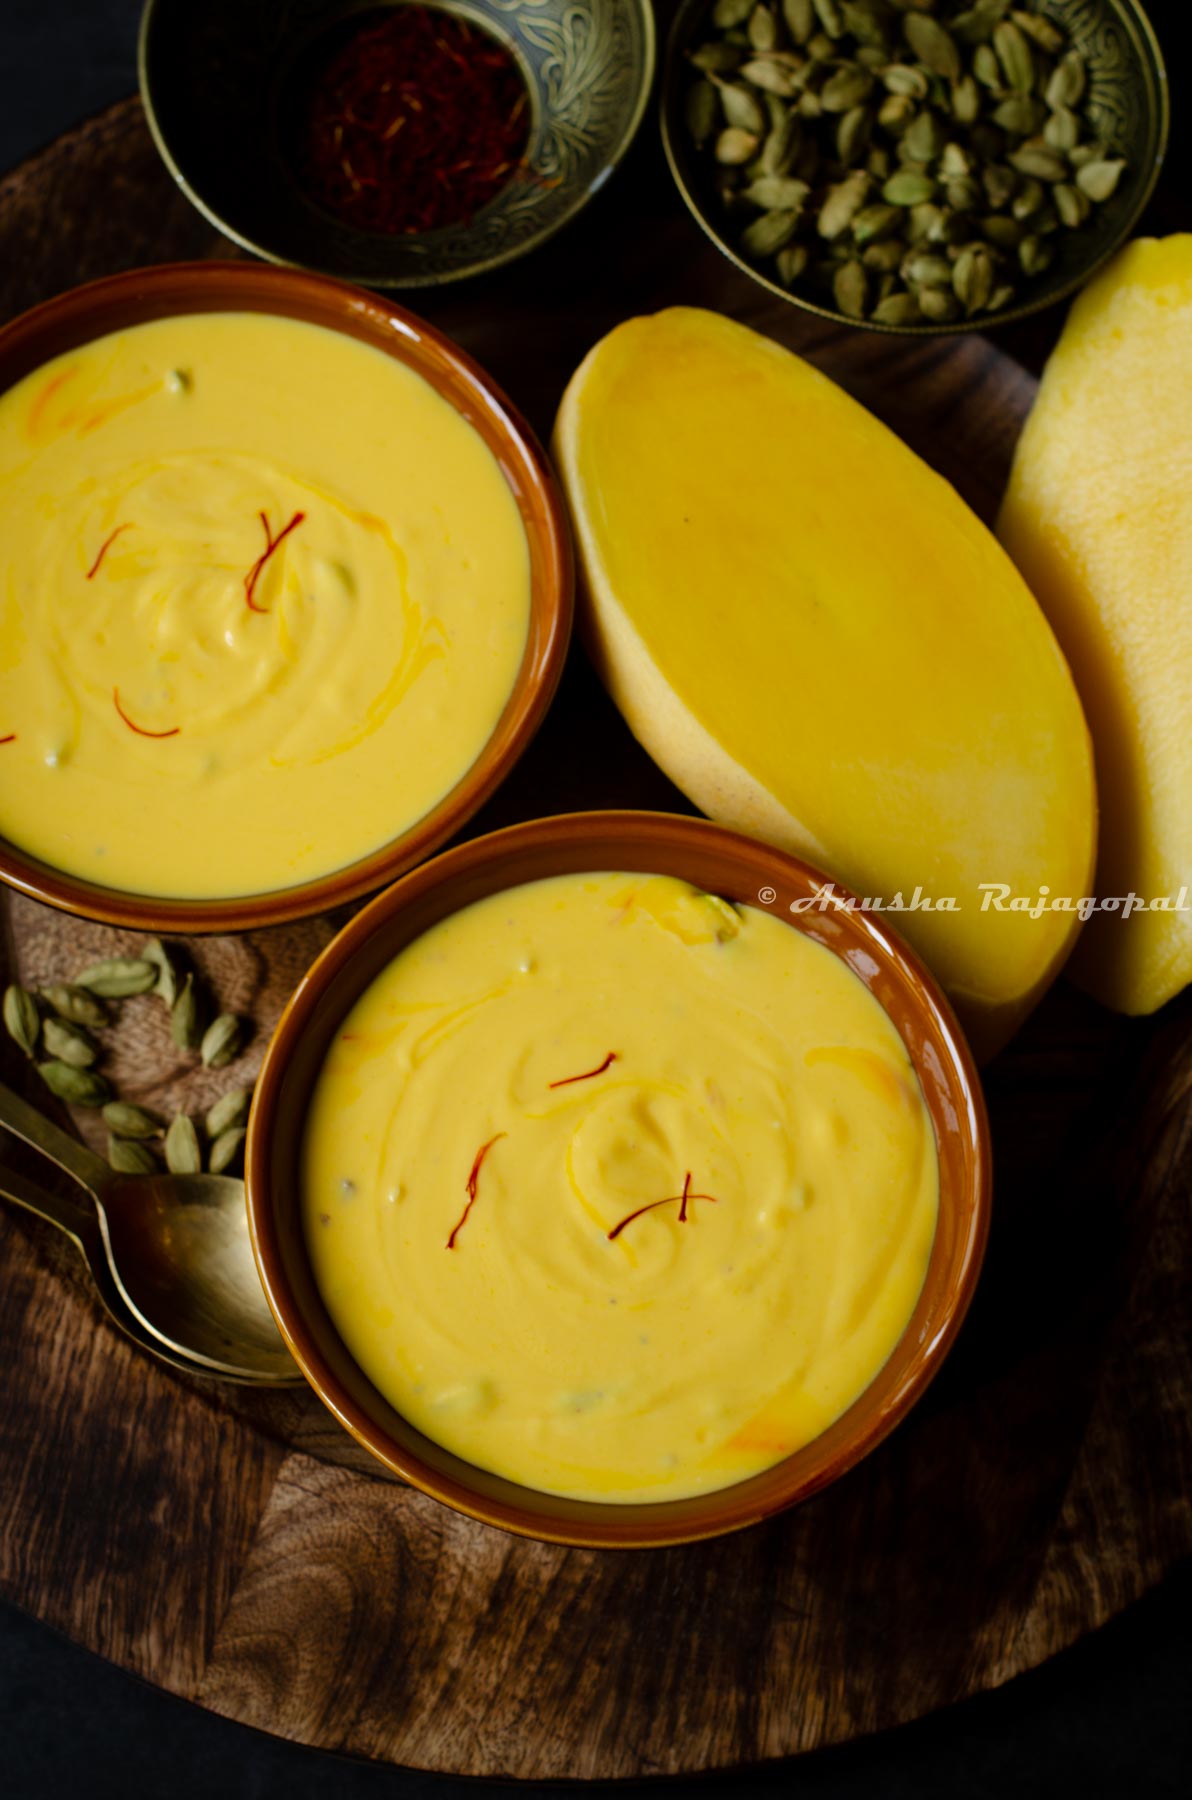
<point x="238" y="1550"/>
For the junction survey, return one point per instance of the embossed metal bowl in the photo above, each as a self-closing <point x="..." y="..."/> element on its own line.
<point x="214" y="79"/>
<point x="1128" y="102"/>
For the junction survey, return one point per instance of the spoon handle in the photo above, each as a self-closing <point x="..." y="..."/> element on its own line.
<point x="24" y="1121"/>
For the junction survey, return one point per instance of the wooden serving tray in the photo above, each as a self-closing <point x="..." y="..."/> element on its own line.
<point x="238" y="1550"/>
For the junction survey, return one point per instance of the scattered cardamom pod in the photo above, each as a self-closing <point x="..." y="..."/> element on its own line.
<point x="909" y="186"/>
<point x="229" y="1111"/>
<point x="22" y="1021"/>
<point x="742" y="108"/>
<point x="182" y="1147"/>
<point x="1098" y="180"/>
<point x="155" y="951"/>
<point x="972" y="279"/>
<point x="223" y="1037"/>
<point x="1067" y="82"/>
<point x="850" y="288"/>
<point x="1040" y="30"/>
<point x="842" y="203"/>
<point x="800" y="19"/>
<point x="897" y="309"/>
<point x="128" y="1157"/>
<point x="78" y="1087"/>
<point x="791" y="262"/>
<point x="125" y="1120"/>
<point x="702" y="112"/>
<point x="69" y="1043"/>
<point x="225" y="1149"/>
<point x="1015" y="55"/>
<point x="932" y="44"/>
<point x="1072" y="206"/>
<point x="734" y="146"/>
<point x="728" y="13"/>
<point x="118" y="977"/>
<point x="185" y="1026"/>
<point x="771" y="191"/>
<point x="76" y="1004"/>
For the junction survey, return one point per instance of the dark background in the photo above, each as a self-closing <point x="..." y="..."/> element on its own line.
<point x="1111" y="1716"/>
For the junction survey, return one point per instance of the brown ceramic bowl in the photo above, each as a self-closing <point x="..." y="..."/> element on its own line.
<point x="722" y="862"/>
<point x="122" y="300"/>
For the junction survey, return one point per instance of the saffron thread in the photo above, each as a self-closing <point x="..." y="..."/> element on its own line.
<point x="684" y="1198"/>
<point x="472" y="1186"/>
<point x="587" y="1074"/>
<point x="93" y="571"/>
<point x="140" y="729"/>
<point x="271" y="544"/>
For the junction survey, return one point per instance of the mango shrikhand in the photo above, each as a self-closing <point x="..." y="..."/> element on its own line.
<point x="618" y="1190"/>
<point x="263" y="598"/>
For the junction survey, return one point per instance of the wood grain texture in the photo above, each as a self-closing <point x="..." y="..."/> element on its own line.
<point x="239" y="1550"/>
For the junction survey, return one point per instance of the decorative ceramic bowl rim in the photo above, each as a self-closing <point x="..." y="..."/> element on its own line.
<point x="379" y="278"/>
<point x="671" y="72"/>
<point x="568" y="843"/>
<point x="169" y="289"/>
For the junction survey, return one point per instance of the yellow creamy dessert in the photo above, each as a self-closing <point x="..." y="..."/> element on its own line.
<point x="617" y="1190"/>
<point x="263" y="597"/>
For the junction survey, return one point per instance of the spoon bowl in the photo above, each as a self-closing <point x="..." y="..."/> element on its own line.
<point x="170" y="1255"/>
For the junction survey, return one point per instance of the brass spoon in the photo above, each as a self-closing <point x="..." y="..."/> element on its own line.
<point x="170" y="1255"/>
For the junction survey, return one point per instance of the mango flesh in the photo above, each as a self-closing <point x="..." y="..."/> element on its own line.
<point x="822" y="645"/>
<point x="1098" y="517"/>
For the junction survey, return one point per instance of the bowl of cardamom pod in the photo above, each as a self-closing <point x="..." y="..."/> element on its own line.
<point x="915" y="165"/>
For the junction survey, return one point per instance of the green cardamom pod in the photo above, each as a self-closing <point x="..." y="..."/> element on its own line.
<point x="873" y="223"/>
<point x="222" y="1040"/>
<point x="986" y="67"/>
<point x="727" y="13"/>
<point x="154" y="951"/>
<point x="1044" y="165"/>
<point x="906" y="81"/>
<point x="732" y="147"/>
<point x="763" y="28"/>
<point x="1098" y="180"/>
<point x="897" y="309"/>
<point x="933" y="44"/>
<point x="1028" y="199"/>
<point x="800" y="19"/>
<point x="864" y="20"/>
<point x="1003" y="233"/>
<point x="76" y="1004"/>
<point x="938" y="305"/>
<point x="830" y="16"/>
<point x="847" y="88"/>
<point x="1072" y="206"/>
<point x="963" y="195"/>
<point x="782" y="146"/>
<point x="701" y="109"/>
<point x="22" y="1020"/>
<point x="975" y="26"/>
<point x="127" y="1121"/>
<point x="1021" y="114"/>
<point x="231" y="1109"/>
<point x="879" y="163"/>
<point x="130" y="1158"/>
<point x="1000" y="184"/>
<point x="966" y="101"/>
<point x="118" y="977"/>
<point x="895" y="113"/>
<point x="925" y="269"/>
<point x="1067" y="83"/>
<point x="909" y="186"/>
<point x="1016" y="57"/>
<point x="771" y="191"/>
<point x="923" y="139"/>
<point x="1062" y="130"/>
<point x="1000" y="297"/>
<point x="926" y="223"/>
<point x="1034" y="255"/>
<point x="182" y="1147"/>
<point x="716" y="59"/>
<point x="770" y="233"/>
<point x="771" y="78"/>
<point x="852" y="133"/>
<point x="790" y="263"/>
<point x="885" y="255"/>
<point x="69" y="1043"/>
<point x="742" y="109"/>
<point x="844" y="200"/>
<point x="184" y="1017"/>
<point x="972" y="278"/>
<point x="224" y="1151"/>
<point x="79" y="1087"/>
<point x="955" y="163"/>
<point x="850" y="288"/>
<point x="1041" y="30"/>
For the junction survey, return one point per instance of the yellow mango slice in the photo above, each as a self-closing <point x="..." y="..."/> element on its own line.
<point x="822" y="645"/>
<point x="1098" y="517"/>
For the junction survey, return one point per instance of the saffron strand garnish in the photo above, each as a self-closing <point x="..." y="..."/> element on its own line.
<point x="587" y="1074"/>
<point x="10" y="739"/>
<point x="93" y="571"/>
<point x="472" y="1186"/>
<point x="670" y="1200"/>
<point x="271" y="545"/>
<point x="140" y="729"/>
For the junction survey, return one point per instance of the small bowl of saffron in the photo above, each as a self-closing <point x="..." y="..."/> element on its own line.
<point x="396" y="145"/>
